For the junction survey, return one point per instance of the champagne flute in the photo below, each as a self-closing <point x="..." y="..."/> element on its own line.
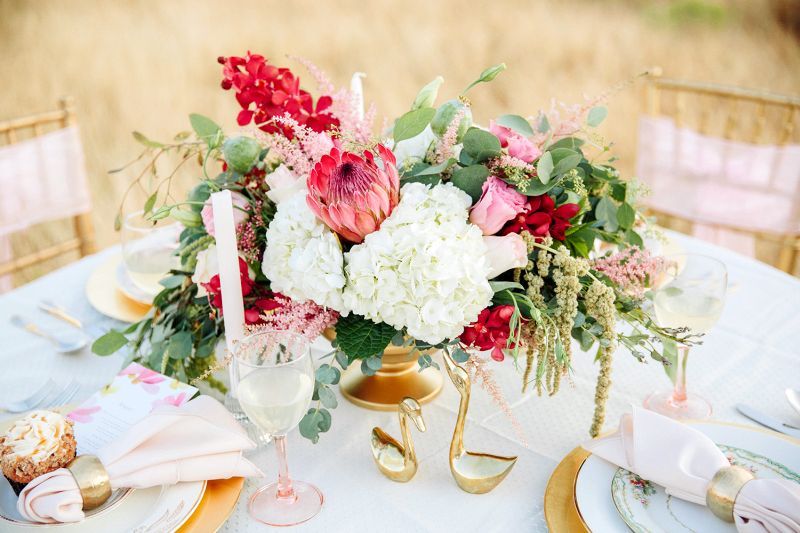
<point x="148" y="250"/>
<point x="275" y="383"/>
<point x="691" y="295"/>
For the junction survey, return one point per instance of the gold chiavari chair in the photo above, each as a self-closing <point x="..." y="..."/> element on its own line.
<point x="738" y="115"/>
<point x="82" y="240"/>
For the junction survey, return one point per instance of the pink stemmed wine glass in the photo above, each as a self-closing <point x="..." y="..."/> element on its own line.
<point x="275" y="383"/>
<point x="692" y="296"/>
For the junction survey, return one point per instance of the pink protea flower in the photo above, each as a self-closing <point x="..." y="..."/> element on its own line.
<point x="353" y="194"/>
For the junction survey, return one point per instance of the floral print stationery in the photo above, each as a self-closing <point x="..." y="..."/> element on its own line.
<point x="133" y="393"/>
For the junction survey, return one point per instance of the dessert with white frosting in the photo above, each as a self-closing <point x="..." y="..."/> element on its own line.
<point x="40" y="442"/>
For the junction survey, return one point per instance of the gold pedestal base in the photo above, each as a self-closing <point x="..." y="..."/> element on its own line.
<point x="398" y="377"/>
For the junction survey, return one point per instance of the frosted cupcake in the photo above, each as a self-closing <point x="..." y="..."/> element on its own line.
<point x="41" y="442"/>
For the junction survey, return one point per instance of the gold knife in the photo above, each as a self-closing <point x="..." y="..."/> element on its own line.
<point x="58" y="312"/>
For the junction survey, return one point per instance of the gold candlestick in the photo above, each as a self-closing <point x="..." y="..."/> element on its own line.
<point x="398" y="461"/>
<point x="477" y="473"/>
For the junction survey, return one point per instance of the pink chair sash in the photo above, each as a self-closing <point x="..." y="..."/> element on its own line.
<point x="714" y="181"/>
<point x="41" y="179"/>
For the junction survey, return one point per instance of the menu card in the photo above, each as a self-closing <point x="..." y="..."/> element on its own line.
<point x="133" y="393"/>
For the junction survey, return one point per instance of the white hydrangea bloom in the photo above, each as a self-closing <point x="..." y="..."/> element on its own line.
<point x="424" y="269"/>
<point x="303" y="258"/>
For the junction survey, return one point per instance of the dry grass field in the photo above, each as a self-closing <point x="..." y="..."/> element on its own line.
<point x="145" y="65"/>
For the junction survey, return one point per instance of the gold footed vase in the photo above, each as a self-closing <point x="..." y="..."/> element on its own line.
<point x="398" y="377"/>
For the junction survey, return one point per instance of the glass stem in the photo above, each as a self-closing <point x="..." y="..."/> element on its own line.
<point x="679" y="392"/>
<point x="285" y="490"/>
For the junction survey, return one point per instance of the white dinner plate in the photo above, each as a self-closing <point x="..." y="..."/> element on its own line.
<point x="768" y="452"/>
<point x="157" y="509"/>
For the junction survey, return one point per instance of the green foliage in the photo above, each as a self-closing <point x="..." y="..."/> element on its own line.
<point x="360" y="338"/>
<point x="180" y="345"/>
<point x="426" y="97"/>
<point x="141" y="139"/>
<point x="545" y="167"/>
<point x="447" y="113"/>
<point x="606" y="214"/>
<point x="470" y="179"/>
<point x="314" y="422"/>
<point x="412" y="123"/>
<point x="596" y="116"/>
<point x="481" y="145"/>
<point x="516" y="123"/>
<point x="206" y="129"/>
<point x="109" y="343"/>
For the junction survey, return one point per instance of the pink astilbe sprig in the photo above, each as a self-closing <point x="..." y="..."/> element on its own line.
<point x="305" y="318"/>
<point x="346" y="107"/>
<point x="633" y="269"/>
<point x="477" y="369"/>
<point x="444" y="148"/>
<point x="506" y="161"/>
<point x="301" y="153"/>
<point x="324" y="83"/>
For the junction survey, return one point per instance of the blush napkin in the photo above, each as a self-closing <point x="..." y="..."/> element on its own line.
<point x="197" y="441"/>
<point x="683" y="461"/>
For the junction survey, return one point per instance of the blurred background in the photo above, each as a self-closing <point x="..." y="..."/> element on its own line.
<point x="145" y="65"/>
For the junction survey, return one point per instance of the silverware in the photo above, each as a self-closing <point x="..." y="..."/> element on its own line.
<point x="768" y="421"/>
<point x="793" y="395"/>
<point x="59" y="312"/>
<point x="63" y="397"/>
<point x="26" y="404"/>
<point x="64" y="343"/>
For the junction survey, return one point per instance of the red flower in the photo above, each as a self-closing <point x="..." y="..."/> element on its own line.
<point x="490" y="331"/>
<point x="215" y="290"/>
<point x="541" y="218"/>
<point x="265" y="91"/>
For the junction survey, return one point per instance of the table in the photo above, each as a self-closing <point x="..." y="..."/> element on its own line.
<point x="752" y="355"/>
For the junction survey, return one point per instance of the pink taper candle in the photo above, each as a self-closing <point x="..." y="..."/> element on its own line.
<point x="229" y="276"/>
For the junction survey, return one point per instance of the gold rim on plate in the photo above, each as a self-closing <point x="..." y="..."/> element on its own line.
<point x="561" y="511"/>
<point x="107" y="297"/>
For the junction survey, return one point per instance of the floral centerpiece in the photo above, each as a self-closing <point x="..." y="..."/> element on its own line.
<point x="438" y="234"/>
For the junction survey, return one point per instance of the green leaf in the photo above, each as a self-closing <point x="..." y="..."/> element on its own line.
<point x="669" y="353"/>
<point x="470" y="180"/>
<point x="156" y="358"/>
<point x="374" y="363"/>
<point x="481" y="145"/>
<point x="328" y="374"/>
<point x="341" y="358"/>
<point x="459" y="355"/>
<point x="486" y="76"/>
<point x="206" y="129"/>
<point x="118" y="222"/>
<point x="573" y="143"/>
<point x="361" y="338"/>
<point x="434" y="169"/>
<point x="328" y="398"/>
<point x="148" y="205"/>
<point x="172" y="282"/>
<point x="412" y="123"/>
<point x="426" y="96"/>
<point x="544" y="125"/>
<point x="626" y="216"/>
<point x="564" y="159"/>
<point x="430" y="181"/>
<point x="544" y="168"/>
<point x="186" y="217"/>
<point x="180" y="345"/>
<point x="309" y="425"/>
<point x="522" y="301"/>
<point x="634" y="238"/>
<point x="498" y="286"/>
<point x="516" y="123"/>
<point x="141" y="139"/>
<point x="606" y="214"/>
<point x="109" y="343"/>
<point x="596" y="116"/>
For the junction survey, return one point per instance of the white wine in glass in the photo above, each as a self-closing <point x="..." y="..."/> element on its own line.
<point x="275" y="382"/>
<point x="691" y="296"/>
<point x="148" y="251"/>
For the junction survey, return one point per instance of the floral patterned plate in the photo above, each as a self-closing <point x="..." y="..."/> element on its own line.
<point x="646" y="507"/>
<point x="601" y="487"/>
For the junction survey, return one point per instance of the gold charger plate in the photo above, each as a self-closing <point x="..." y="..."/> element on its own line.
<point x="217" y="504"/>
<point x="105" y="295"/>
<point x="560" y="509"/>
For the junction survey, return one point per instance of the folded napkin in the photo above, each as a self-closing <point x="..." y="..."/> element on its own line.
<point x="199" y="440"/>
<point x="683" y="461"/>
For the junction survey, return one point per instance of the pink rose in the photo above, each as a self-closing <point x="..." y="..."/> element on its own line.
<point x="505" y="253"/>
<point x="498" y="204"/>
<point x="518" y="145"/>
<point x="240" y="204"/>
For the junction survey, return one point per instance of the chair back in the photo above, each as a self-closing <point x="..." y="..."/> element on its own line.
<point x="43" y="179"/>
<point x="722" y="163"/>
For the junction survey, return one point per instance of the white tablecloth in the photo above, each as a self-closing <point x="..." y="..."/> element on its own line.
<point x="750" y="356"/>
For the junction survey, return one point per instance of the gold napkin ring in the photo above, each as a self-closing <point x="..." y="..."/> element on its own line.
<point x="92" y="480"/>
<point x="723" y="489"/>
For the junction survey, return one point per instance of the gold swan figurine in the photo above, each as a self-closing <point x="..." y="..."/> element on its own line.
<point x="398" y="461"/>
<point x="477" y="473"/>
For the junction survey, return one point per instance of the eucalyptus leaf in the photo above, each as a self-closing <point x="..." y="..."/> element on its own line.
<point x="172" y="282"/>
<point x="596" y="116"/>
<point x="606" y="214"/>
<point x="470" y="180"/>
<point x="328" y="398"/>
<point x="544" y="168"/>
<point x="516" y="123"/>
<point x="481" y="145"/>
<point x="206" y="129"/>
<point x="564" y="159"/>
<point x="109" y="343"/>
<point x="626" y="216"/>
<point x="180" y="345"/>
